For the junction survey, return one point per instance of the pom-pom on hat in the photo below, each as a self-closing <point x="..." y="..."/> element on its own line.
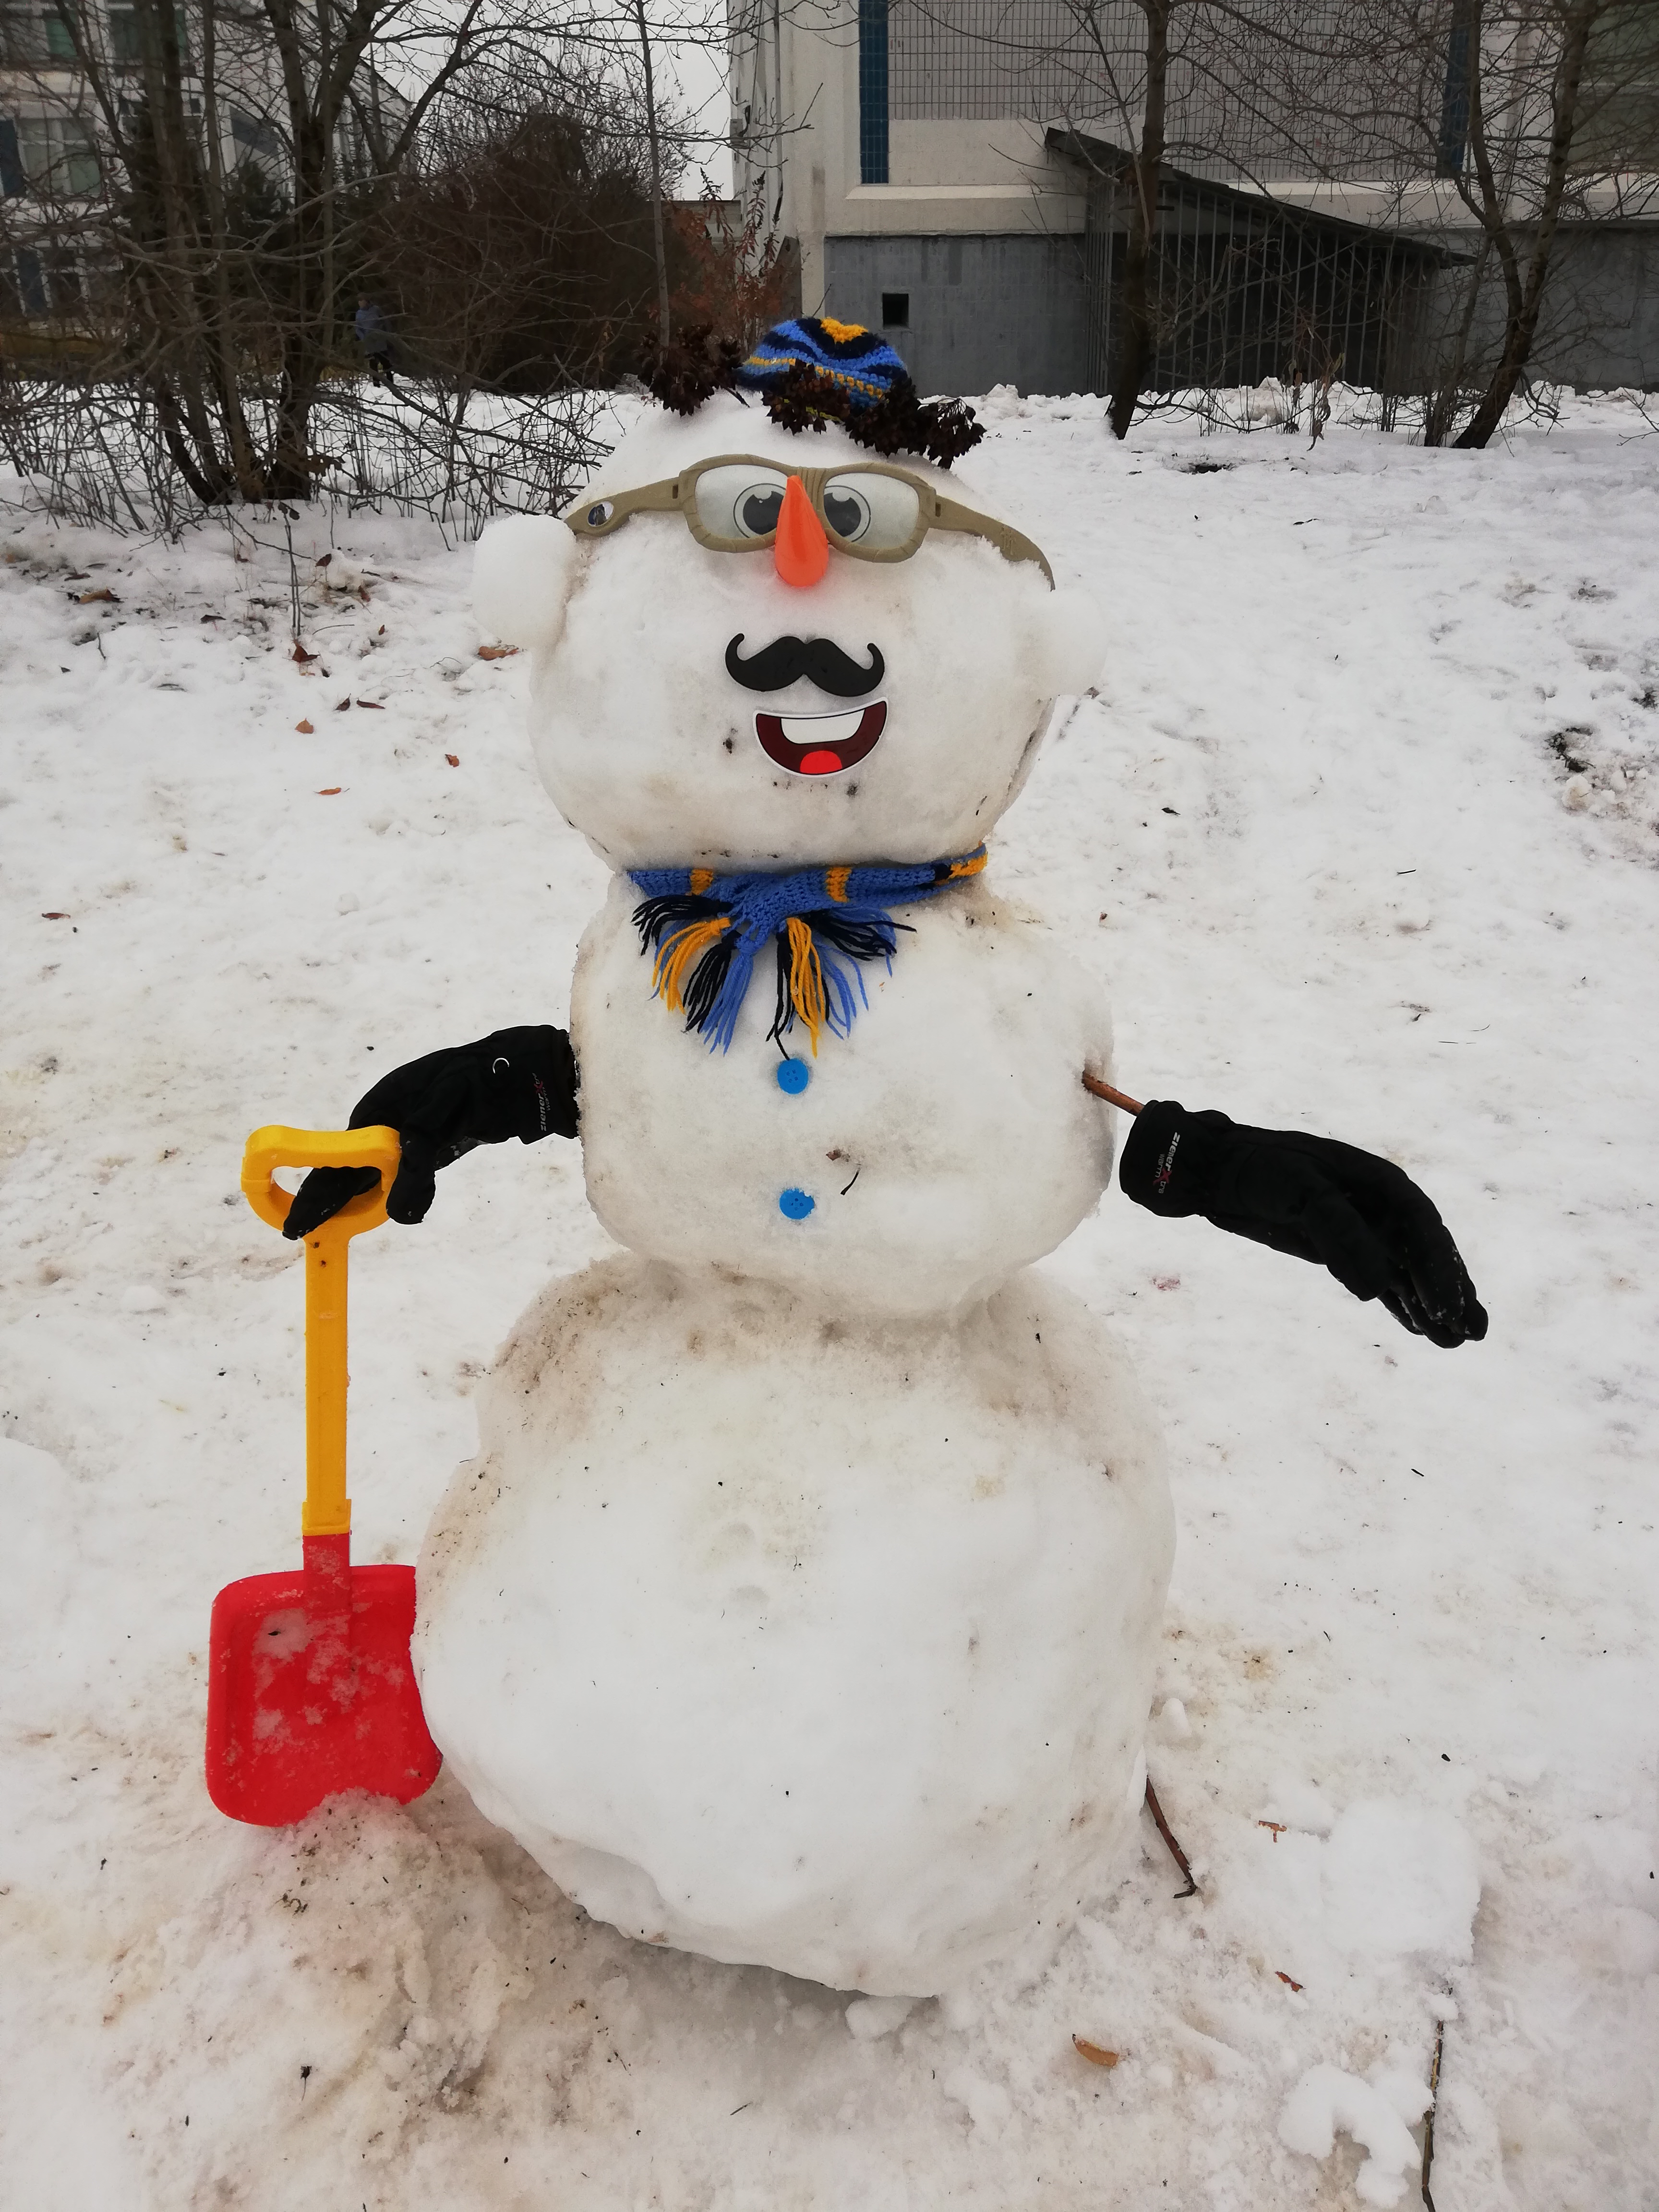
<point x="856" y="361"/>
<point x="811" y="372"/>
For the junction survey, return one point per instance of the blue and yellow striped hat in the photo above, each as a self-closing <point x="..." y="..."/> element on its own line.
<point x="858" y="362"/>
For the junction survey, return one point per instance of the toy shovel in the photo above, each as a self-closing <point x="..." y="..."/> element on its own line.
<point x="310" y="1689"/>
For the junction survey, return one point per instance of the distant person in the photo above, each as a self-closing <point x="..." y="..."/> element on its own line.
<point x="375" y="339"/>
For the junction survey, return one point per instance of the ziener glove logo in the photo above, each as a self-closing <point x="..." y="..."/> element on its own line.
<point x="1166" y="1167"/>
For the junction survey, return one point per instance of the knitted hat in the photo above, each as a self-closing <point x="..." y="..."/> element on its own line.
<point x="856" y="361"/>
<point x="809" y="373"/>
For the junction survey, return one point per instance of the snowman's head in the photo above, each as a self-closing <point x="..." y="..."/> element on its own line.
<point x="759" y="648"/>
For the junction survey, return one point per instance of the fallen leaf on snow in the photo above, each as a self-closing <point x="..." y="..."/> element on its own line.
<point x="1286" y="1979"/>
<point x="496" y="651"/>
<point x="378" y="705"/>
<point x="1095" y="2053"/>
<point x="454" y="759"/>
<point x="304" y="729"/>
<point x="54" y="917"/>
<point x="301" y="654"/>
<point x="343" y="707"/>
<point x="330" y="791"/>
<point x="86" y="599"/>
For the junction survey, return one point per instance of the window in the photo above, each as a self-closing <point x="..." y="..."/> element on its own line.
<point x="127" y="38"/>
<point x="254" y="140"/>
<point x="31" y="37"/>
<point x="64" y="277"/>
<point x="22" y="42"/>
<point x="59" y="156"/>
<point x="34" y="284"/>
<point x="1619" y="114"/>
<point x="895" y="311"/>
<point x="31" y="284"/>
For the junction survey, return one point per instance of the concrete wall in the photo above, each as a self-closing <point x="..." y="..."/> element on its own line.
<point x="1002" y="309"/>
<point x="1601" y="324"/>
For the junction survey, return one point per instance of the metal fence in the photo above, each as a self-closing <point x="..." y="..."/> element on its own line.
<point x="1245" y="287"/>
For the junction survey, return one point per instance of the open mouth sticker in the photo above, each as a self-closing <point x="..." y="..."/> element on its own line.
<point x="822" y="744"/>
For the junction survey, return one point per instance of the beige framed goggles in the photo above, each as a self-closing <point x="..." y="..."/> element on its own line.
<point x="869" y="509"/>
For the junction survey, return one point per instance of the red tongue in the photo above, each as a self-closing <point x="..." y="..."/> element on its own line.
<point x="822" y="762"/>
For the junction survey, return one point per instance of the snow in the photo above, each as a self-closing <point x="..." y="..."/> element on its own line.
<point x="1326" y="2099"/>
<point x="794" y="1635"/>
<point x="910" y="1137"/>
<point x="1404" y="1577"/>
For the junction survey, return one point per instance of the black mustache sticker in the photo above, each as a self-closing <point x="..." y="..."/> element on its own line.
<point x="819" y="659"/>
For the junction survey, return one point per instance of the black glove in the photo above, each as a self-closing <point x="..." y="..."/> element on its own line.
<point x="516" y="1083"/>
<point x="1361" y="1217"/>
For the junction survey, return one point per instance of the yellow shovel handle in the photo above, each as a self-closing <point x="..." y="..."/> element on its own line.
<point x="328" y="1509"/>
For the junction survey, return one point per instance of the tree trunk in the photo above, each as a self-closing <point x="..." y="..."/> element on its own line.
<point x="664" y="333"/>
<point x="250" y="476"/>
<point x="1134" y="316"/>
<point x="1525" y="292"/>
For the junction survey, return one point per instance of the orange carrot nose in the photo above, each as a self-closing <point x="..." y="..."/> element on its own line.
<point x="800" y="548"/>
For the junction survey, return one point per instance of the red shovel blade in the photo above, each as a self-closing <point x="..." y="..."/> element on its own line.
<point x="310" y="1689"/>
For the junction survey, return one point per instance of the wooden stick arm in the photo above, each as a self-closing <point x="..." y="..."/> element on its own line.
<point x="1112" y="1098"/>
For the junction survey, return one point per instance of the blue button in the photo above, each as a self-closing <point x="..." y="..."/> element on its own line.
<point x="794" y="1076"/>
<point x="797" y="1204"/>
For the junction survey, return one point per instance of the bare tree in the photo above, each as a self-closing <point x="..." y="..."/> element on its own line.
<point x="1432" y="165"/>
<point x="658" y="239"/>
<point x="1544" y="132"/>
<point x="199" y="189"/>
<point x="517" y="245"/>
<point x="1144" y="173"/>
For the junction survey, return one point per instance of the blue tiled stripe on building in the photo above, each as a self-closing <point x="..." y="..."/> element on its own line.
<point x="873" y="92"/>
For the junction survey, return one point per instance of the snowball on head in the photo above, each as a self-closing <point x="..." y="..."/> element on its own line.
<point x="651" y="748"/>
<point x="521" y="579"/>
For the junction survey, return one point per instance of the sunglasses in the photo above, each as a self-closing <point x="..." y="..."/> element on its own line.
<point x="731" y="505"/>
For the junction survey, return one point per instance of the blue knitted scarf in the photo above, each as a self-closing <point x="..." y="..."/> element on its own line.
<point x="707" y="931"/>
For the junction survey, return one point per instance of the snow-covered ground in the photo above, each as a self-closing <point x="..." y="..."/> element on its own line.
<point x="1360" y="833"/>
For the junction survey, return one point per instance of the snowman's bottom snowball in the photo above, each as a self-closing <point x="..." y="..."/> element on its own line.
<point x="800" y="1642"/>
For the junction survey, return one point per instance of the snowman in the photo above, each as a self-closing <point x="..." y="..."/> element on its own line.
<point x="802" y="1604"/>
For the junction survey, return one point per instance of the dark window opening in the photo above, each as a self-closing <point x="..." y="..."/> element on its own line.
<point x="31" y="284"/>
<point x="66" y="280"/>
<point x="895" y="311"/>
<point x="126" y="34"/>
<point x="254" y="138"/>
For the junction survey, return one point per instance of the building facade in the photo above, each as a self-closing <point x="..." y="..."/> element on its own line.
<point x="72" y="75"/>
<point x="950" y="171"/>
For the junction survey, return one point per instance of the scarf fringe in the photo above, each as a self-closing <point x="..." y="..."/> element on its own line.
<point x="706" y="931"/>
